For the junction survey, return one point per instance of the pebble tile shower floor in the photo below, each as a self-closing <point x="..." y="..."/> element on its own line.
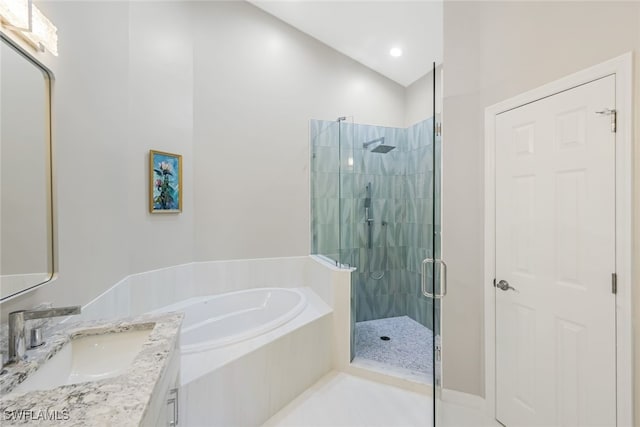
<point x="410" y="347"/>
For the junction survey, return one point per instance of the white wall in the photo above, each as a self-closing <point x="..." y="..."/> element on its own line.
<point x="418" y="103"/>
<point x="222" y="83"/>
<point x="160" y="116"/>
<point x="90" y="124"/>
<point x="259" y="81"/>
<point x="493" y="51"/>
<point x="120" y="89"/>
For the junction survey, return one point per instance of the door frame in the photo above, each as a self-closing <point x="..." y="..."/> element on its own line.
<point x="621" y="67"/>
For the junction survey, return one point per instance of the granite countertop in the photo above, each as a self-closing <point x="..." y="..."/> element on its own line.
<point x="119" y="401"/>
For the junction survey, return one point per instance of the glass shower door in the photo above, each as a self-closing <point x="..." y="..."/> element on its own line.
<point x="436" y="290"/>
<point x="425" y="267"/>
<point x="432" y="269"/>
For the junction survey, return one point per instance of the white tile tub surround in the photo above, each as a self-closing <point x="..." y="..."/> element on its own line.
<point x="263" y="373"/>
<point x="198" y="364"/>
<point x="249" y="388"/>
<point x="235" y="275"/>
<point x="150" y="290"/>
<point x="143" y="292"/>
<point x="215" y="321"/>
<point x="333" y="285"/>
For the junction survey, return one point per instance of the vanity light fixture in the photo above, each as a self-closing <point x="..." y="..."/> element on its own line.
<point x="396" y="52"/>
<point x="43" y="33"/>
<point x="23" y="17"/>
<point x="15" y="13"/>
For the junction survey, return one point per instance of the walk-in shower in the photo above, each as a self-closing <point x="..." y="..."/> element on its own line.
<point x="373" y="209"/>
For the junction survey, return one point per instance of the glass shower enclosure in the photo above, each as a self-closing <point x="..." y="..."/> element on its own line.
<point x="375" y="207"/>
<point x="373" y="204"/>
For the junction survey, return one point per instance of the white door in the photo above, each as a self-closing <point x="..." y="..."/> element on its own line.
<point x="555" y="244"/>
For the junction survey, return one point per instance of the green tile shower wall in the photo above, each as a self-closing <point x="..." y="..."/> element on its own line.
<point x="401" y="197"/>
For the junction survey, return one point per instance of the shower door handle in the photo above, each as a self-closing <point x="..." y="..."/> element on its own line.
<point x="434" y="262"/>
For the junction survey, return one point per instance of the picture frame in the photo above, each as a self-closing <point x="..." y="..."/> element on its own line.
<point x="165" y="182"/>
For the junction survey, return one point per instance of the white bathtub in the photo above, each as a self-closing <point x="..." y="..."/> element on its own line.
<point x="217" y="320"/>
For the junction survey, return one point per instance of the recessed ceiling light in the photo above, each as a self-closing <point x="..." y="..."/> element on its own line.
<point x="395" y="52"/>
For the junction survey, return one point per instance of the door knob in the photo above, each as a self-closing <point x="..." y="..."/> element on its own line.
<point x="505" y="286"/>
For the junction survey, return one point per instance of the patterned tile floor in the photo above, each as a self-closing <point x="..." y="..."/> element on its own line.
<point x="408" y="352"/>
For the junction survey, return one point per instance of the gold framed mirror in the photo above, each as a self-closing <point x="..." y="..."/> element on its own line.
<point x="26" y="190"/>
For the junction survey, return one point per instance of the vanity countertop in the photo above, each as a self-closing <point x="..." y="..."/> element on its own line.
<point x="119" y="401"/>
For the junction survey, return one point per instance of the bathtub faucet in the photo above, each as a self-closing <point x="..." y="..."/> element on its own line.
<point x="17" y="319"/>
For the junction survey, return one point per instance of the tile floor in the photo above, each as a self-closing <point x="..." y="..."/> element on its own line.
<point x="340" y="400"/>
<point x="409" y="349"/>
<point x="343" y="400"/>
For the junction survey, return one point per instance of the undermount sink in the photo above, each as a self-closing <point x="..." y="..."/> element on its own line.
<point x="86" y="358"/>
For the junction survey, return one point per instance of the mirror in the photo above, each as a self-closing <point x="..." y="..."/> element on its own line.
<point x="26" y="217"/>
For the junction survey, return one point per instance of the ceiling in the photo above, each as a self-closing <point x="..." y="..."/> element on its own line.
<point x="367" y="30"/>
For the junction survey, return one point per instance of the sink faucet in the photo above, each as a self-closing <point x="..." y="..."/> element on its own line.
<point x="17" y="319"/>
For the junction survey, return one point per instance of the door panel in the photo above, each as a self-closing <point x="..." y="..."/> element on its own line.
<point x="555" y="241"/>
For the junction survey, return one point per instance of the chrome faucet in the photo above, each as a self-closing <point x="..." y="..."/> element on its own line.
<point x="17" y="319"/>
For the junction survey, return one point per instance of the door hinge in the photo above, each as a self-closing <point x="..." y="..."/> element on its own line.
<point x="438" y="129"/>
<point x="614" y="283"/>
<point x="613" y="113"/>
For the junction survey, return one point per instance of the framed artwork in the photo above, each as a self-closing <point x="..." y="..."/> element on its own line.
<point x="165" y="182"/>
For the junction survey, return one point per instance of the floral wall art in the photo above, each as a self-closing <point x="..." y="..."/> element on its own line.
<point x="165" y="193"/>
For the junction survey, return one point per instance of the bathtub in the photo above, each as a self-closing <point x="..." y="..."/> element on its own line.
<point x="219" y="320"/>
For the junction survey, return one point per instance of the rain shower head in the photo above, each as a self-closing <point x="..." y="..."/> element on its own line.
<point x="380" y="148"/>
<point x="383" y="148"/>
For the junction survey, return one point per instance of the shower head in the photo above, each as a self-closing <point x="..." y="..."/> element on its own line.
<point x="383" y="148"/>
<point x="380" y="148"/>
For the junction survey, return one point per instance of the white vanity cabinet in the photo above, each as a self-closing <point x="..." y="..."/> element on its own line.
<point x="164" y="407"/>
<point x="168" y="414"/>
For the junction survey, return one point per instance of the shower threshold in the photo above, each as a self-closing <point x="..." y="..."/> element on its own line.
<point x="397" y="346"/>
